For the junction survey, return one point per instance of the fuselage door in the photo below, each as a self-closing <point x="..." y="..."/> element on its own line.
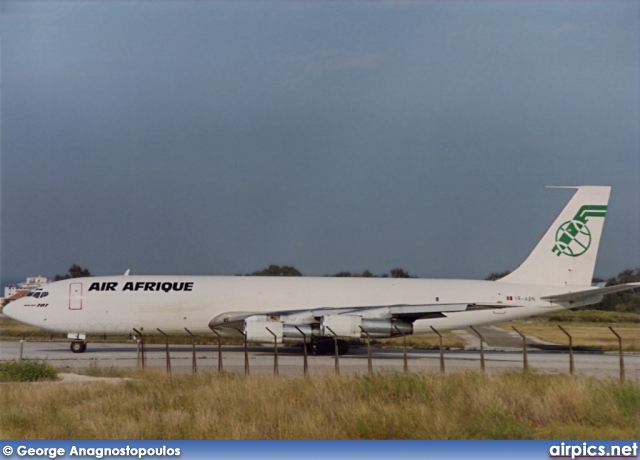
<point x="75" y="296"/>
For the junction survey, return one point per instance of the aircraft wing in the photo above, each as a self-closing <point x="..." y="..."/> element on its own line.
<point x="391" y="318"/>
<point x="398" y="311"/>
<point x="582" y="295"/>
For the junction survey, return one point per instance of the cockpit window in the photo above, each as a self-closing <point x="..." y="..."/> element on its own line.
<point x="44" y="294"/>
<point x="30" y="294"/>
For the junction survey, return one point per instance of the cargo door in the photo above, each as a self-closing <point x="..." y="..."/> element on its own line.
<point x="75" y="296"/>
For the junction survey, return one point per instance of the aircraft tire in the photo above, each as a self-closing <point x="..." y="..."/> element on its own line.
<point x="321" y="347"/>
<point x="78" y="346"/>
<point x="327" y="347"/>
<point x="343" y="347"/>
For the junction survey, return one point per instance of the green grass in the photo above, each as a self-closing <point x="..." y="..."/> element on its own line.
<point x="591" y="316"/>
<point x="26" y="371"/>
<point x="381" y="406"/>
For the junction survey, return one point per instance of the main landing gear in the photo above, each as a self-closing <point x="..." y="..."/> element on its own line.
<point x="327" y="347"/>
<point x="78" y="346"/>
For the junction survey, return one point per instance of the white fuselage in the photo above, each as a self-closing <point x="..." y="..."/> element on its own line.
<point x="173" y="304"/>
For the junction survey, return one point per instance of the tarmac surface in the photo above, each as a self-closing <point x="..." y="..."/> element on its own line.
<point x="291" y="359"/>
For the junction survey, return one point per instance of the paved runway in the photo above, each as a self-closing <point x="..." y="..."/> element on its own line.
<point x="126" y="355"/>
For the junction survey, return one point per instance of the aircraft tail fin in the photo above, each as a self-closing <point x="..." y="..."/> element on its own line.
<point x="566" y="254"/>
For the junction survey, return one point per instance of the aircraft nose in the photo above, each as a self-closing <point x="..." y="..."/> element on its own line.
<point x="9" y="310"/>
<point x="15" y="309"/>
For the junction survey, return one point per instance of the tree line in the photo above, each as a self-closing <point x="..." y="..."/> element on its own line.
<point x="276" y="270"/>
<point x="628" y="301"/>
<point x="272" y="270"/>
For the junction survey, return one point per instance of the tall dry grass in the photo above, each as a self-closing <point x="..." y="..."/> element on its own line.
<point x="382" y="406"/>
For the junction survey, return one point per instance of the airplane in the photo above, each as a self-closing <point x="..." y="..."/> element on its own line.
<point x="321" y="311"/>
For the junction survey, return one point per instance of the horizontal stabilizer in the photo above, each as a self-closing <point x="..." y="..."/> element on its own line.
<point x="582" y="295"/>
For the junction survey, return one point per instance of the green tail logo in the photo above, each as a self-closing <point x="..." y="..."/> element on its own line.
<point x="573" y="238"/>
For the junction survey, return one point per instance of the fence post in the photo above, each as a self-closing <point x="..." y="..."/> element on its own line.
<point x="335" y="350"/>
<point x="571" y="367"/>
<point x="141" y="347"/>
<point x="304" y="351"/>
<point x="166" y="340"/>
<point x="441" y="352"/>
<point x="246" y="355"/>
<point x="275" y="352"/>
<point x="369" y="362"/>
<point x="621" y="354"/>
<point x="194" y="368"/>
<point x="404" y="349"/>
<point x="481" y="348"/>
<point x="21" y="347"/>
<point x="524" y="349"/>
<point x="219" y="350"/>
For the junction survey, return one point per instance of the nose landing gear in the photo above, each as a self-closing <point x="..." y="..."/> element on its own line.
<point x="78" y="346"/>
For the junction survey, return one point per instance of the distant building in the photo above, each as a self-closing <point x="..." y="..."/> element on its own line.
<point x="32" y="282"/>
